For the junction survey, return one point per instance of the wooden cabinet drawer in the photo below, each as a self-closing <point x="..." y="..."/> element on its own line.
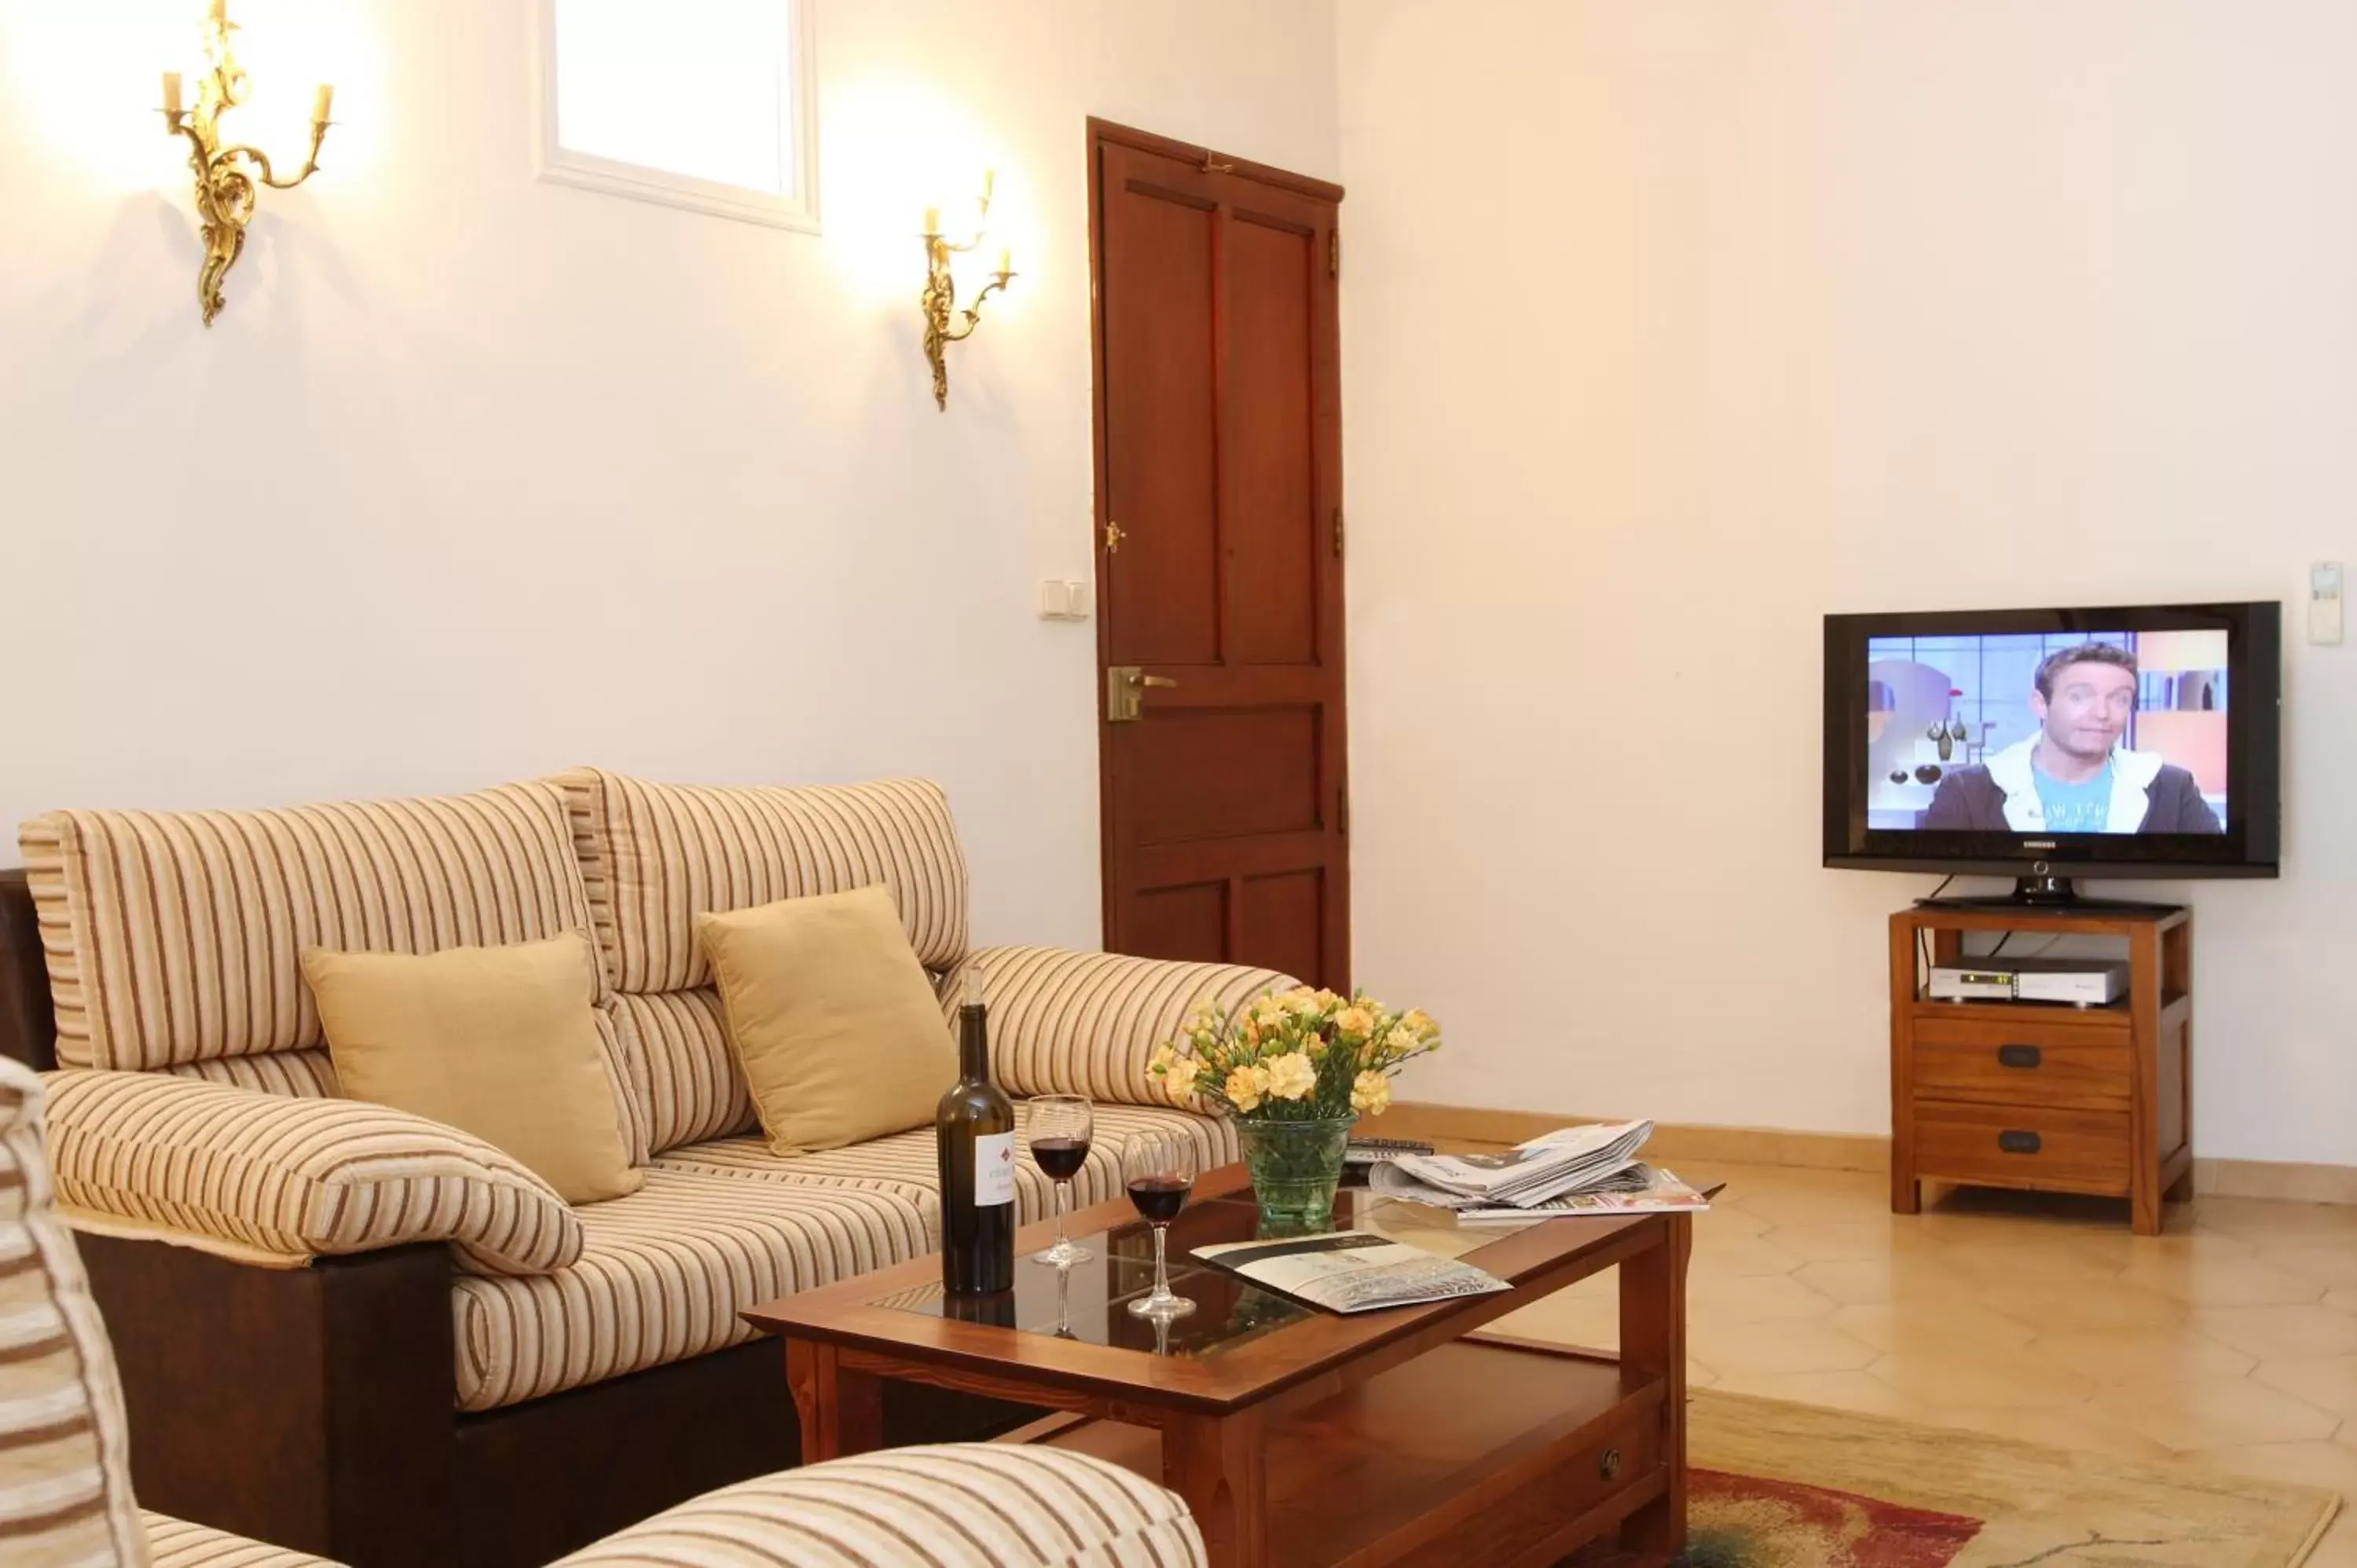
<point x="2032" y="1063"/>
<point x="1512" y="1528"/>
<point x="2020" y="1145"/>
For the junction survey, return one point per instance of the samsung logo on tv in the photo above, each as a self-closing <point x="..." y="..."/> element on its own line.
<point x="2037" y="843"/>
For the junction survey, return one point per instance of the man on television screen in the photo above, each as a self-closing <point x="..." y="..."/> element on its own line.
<point x="2073" y="776"/>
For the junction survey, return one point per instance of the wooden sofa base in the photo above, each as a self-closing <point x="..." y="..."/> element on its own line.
<point x="313" y="1408"/>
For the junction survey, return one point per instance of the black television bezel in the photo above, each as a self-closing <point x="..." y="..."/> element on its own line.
<point x="2249" y="847"/>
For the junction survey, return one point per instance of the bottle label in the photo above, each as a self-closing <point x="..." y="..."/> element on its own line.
<point x="993" y="1169"/>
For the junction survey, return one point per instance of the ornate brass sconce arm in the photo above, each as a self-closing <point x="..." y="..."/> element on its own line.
<point x="228" y="176"/>
<point x="939" y="301"/>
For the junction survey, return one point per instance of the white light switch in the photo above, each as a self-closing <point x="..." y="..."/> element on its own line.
<point x="1062" y="599"/>
<point x="2325" y="582"/>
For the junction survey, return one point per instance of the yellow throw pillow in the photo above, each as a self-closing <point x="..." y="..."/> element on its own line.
<point x="499" y="1042"/>
<point x="831" y="1019"/>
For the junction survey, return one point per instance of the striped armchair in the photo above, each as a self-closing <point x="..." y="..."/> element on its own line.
<point x="66" y="1493"/>
<point x="427" y="1356"/>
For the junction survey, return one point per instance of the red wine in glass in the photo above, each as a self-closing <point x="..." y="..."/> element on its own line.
<point x="1060" y="1128"/>
<point x="1062" y="1158"/>
<point x="1159" y="1197"/>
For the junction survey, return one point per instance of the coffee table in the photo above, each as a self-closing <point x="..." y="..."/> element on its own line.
<point x="1300" y="1437"/>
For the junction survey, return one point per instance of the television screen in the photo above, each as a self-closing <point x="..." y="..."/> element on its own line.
<point x="2136" y="740"/>
<point x="2106" y="731"/>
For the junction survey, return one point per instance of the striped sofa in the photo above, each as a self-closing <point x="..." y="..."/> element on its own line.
<point x="66" y="1497"/>
<point x="422" y="1353"/>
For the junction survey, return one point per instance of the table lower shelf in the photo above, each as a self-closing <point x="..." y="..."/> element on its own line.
<point x="1473" y="1453"/>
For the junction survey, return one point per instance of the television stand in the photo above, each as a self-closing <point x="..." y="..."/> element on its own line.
<point x="2043" y="892"/>
<point x="2020" y="1094"/>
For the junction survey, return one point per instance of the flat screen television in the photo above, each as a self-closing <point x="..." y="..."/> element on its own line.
<point x="2047" y="744"/>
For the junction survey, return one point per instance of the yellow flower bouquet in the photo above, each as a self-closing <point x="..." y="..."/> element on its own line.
<point x="1294" y="1069"/>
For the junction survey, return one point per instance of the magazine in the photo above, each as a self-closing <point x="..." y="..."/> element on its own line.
<point x="1571" y="1159"/>
<point x="1350" y="1271"/>
<point x="1640" y="1190"/>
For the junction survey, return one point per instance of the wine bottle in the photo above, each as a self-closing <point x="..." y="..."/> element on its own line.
<point x="974" y="1133"/>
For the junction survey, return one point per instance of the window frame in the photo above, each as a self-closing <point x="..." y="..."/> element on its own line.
<point x="557" y="163"/>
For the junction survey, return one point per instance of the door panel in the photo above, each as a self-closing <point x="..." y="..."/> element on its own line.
<point x="1218" y="450"/>
<point x="1281" y="920"/>
<point x="1179" y="922"/>
<point x="1271" y="459"/>
<point x="1213" y="773"/>
<point x="1161" y="367"/>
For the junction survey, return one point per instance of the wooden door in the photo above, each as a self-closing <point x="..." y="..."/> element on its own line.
<point x="1219" y="558"/>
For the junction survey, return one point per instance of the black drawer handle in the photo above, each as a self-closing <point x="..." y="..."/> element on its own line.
<point x="2018" y="1143"/>
<point x="2020" y="1055"/>
<point x="1610" y="1465"/>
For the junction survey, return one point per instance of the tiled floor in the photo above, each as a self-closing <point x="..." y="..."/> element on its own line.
<point x="2230" y="1340"/>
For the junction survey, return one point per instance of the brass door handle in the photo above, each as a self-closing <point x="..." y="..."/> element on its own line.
<point x="1125" y="687"/>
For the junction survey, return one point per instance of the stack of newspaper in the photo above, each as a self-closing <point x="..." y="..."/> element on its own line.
<point x="1590" y="1169"/>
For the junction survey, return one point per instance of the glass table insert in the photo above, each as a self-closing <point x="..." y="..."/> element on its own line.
<point x="1089" y="1302"/>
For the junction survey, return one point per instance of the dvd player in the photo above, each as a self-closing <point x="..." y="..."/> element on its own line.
<point x="2080" y="982"/>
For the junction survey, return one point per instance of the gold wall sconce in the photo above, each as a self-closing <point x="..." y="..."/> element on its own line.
<point x="939" y="301"/>
<point x="227" y="177"/>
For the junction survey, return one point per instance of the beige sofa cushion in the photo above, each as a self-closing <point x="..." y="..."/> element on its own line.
<point x="65" y="1464"/>
<point x="498" y="1042"/>
<point x="177" y="1544"/>
<point x="311" y="1074"/>
<point x="175" y="936"/>
<point x="830" y="1015"/>
<point x="1087" y="1023"/>
<point x="906" y="1163"/>
<point x="654" y="856"/>
<point x="664" y="1275"/>
<point x="969" y="1505"/>
<point x="694" y="1091"/>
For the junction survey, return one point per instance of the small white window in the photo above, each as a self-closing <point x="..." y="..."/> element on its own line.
<point x="709" y="104"/>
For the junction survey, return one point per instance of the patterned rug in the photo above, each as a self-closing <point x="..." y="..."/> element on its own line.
<point x="1787" y="1486"/>
<point x="1747" y="1521"/>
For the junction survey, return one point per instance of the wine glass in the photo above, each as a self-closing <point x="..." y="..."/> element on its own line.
<point x="1159" y="1169"/>
<point x="1060" y="1125"/>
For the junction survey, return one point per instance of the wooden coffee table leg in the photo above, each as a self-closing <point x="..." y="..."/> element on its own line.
<point x="1217" y="1464"/>
<point x="1654" y="1339"/>
<point x="842" y="1410"/>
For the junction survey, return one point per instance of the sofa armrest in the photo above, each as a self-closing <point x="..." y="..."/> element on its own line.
<point x="297" y="1176"/>
<point x="177" y="1544"/>
<point x="1014" y="1503"/>
<point x="1085" y="1023"/>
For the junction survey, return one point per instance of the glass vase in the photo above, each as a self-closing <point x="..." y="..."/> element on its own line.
<point x="1294" y="1167"/>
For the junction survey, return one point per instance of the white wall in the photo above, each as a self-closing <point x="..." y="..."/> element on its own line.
<point x="477" y="476"/>
<point x="1673" y="326"/>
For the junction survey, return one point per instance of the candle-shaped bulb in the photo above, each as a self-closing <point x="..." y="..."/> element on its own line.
<point x="171" y="92"/>
<point x="323" y="99"/>
<point x="932" y="221"/>
<point x="989" y="178"/>
<point x="1006" y="262"/>
<point x="217" y="13"/>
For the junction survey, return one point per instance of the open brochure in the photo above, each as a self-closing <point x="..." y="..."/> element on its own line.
<point x="1640" y="1190"/>
<point x="1571" y="1159"/>
<point x="1350" y="1271"/>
